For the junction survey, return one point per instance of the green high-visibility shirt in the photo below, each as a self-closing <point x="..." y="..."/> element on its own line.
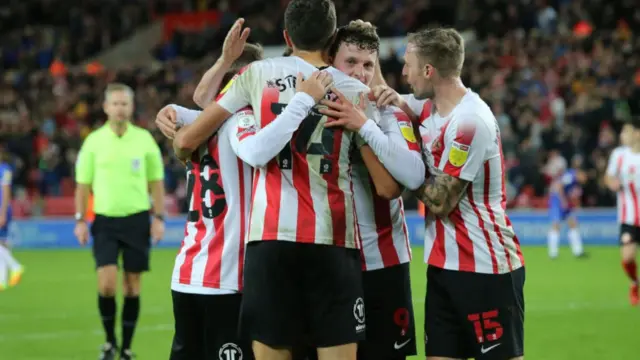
<point x="119" y="169"/>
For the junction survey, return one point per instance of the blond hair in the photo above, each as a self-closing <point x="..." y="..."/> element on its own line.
<point x="442" y="48"/>
<point x="115" y="87"/>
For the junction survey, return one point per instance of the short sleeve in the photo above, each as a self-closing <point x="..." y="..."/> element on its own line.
<point x="237" y="93"/>
<point x="153" y="161"/>
<point x="406" y="129"/>
<point x="613" y="167"/>
<point x="241" y="126"/>
<point x="467" y="142"/>
<point x="85" y="163"/>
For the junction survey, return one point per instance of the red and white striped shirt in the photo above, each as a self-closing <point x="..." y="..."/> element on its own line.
<point x="477" y="236"/>
<point x="211" y="257"/>
<point x="624" y="165"/>
<point x="305" y="193"/>
<point x="381" y="223"/>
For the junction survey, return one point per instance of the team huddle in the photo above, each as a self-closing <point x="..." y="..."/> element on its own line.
<point x="296" y="228"/>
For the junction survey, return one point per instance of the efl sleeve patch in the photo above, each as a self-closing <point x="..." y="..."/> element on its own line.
<point x="458" y="154"/>
<point x="247" y="125"/>
<point x="407" y="132"/>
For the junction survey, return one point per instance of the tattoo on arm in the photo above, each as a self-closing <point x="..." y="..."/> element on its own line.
<point x="441" y="193"/>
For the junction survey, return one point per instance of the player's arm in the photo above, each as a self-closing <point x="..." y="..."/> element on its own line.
<point x="155" y="176"/>
<point x="257" y="146"/>
<point x="7" y="177"/>
<point x="210" y="83"/>
<point x="231" y="49"/>
<point x="462" y="158"/>
<point x="238" y="96"/>
<point x="386" y="186"/>
<point x="85" y="169"/>
<point x="390" y="146"/>
<point x="611" y="179"/>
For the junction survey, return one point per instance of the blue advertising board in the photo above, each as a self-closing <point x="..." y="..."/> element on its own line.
<point x="598" y="227"/>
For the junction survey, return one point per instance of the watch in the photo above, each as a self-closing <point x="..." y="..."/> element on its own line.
<point x="79" y="217"/>
<point x="159" y="217"/>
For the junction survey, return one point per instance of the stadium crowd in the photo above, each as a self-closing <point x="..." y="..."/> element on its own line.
<point x="561" y="78"/>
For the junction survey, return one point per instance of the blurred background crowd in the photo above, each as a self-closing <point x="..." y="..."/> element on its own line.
<point x="561" y="77"/>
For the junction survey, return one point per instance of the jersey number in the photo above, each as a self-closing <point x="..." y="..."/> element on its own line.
<point x="212" y="184"/>
<point x="301" y="138"/>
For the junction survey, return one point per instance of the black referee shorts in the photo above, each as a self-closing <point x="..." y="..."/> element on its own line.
<point x="130" y="235"/>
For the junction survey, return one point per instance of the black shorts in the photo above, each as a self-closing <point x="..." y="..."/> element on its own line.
<point x="302" y="294"/>
<point x="470" y="315"/>
<point x="390" y="324"/>
<point x="206" y="327"/>
<point x="130" y="235"/>
<point x="634" y="231"/>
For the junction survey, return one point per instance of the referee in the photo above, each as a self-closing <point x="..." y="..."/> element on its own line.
<point x="119" y="163"/>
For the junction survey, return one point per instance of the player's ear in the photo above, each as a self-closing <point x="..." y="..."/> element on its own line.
<point x="427" y="70"/>
<point x="287" y="39"/>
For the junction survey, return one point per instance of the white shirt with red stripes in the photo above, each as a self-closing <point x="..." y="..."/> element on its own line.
<point x="381" y="223"/>
<point x="477" y="236"/>
<point x="624" y="164"/>
<point x="305" y="193"/>
<point x="211" y="257"/>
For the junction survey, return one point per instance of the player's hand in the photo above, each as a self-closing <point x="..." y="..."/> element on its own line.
<point x="3" y="220"/>
<point x="614" y="185"/>
<point x="344" y="113"/>
<point x="385" y="96"/>
<point x="316" y="86"/>
<point x="81" y="231"/>
<point x="157" y="230"/>
<point x="234" y="42"/>
<point x="166" y="121"/>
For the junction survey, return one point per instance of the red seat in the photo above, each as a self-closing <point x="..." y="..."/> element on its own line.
<point x="67" y="186"/>
<point x="59" y="206"/>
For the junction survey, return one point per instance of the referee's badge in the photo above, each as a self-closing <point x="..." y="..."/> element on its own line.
<point x="135" y="164"/>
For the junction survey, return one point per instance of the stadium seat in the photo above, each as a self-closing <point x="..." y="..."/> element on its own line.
<point x="59" y="206"/>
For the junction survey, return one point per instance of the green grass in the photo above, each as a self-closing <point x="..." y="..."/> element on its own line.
<point x="575" y="309"/>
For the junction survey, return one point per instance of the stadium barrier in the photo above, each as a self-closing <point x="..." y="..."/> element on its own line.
<point x="598" y="227"/>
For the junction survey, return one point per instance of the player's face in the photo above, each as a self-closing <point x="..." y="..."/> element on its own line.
<point x="626" y="134"/>
<point x="416" y="75"/>
<point x="355" y="62"/>
<point x="119" y="106"/>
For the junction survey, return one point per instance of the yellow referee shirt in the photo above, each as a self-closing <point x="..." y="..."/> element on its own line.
<point x="119" y="169"/>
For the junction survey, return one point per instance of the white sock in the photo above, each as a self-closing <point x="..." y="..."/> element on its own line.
<point x="575" y="240"/>
<point x="553" y="241"/>
<point x="8" y="259"/>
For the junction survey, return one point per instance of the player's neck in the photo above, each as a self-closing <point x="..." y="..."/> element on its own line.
<point x="448" y="94"/>
<point x="118" y="127"/>
<point x="314" y="58"/>
<point x="635" y="148"/>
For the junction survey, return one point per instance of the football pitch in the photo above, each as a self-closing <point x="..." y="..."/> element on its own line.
<point x="575" y="309"/>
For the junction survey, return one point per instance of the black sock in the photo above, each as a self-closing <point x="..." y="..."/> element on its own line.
<point x="107" y="307"/>
<point x="130" y="313"/>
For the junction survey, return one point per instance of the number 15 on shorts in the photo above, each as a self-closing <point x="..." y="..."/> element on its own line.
<point x="485" y="326"/>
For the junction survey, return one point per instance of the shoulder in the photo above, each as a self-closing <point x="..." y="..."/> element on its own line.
<point x="618" y="151"/>
<point x="94" y="136"/>
<point x="143" y="135"/>
<point x="475" y="115"/>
